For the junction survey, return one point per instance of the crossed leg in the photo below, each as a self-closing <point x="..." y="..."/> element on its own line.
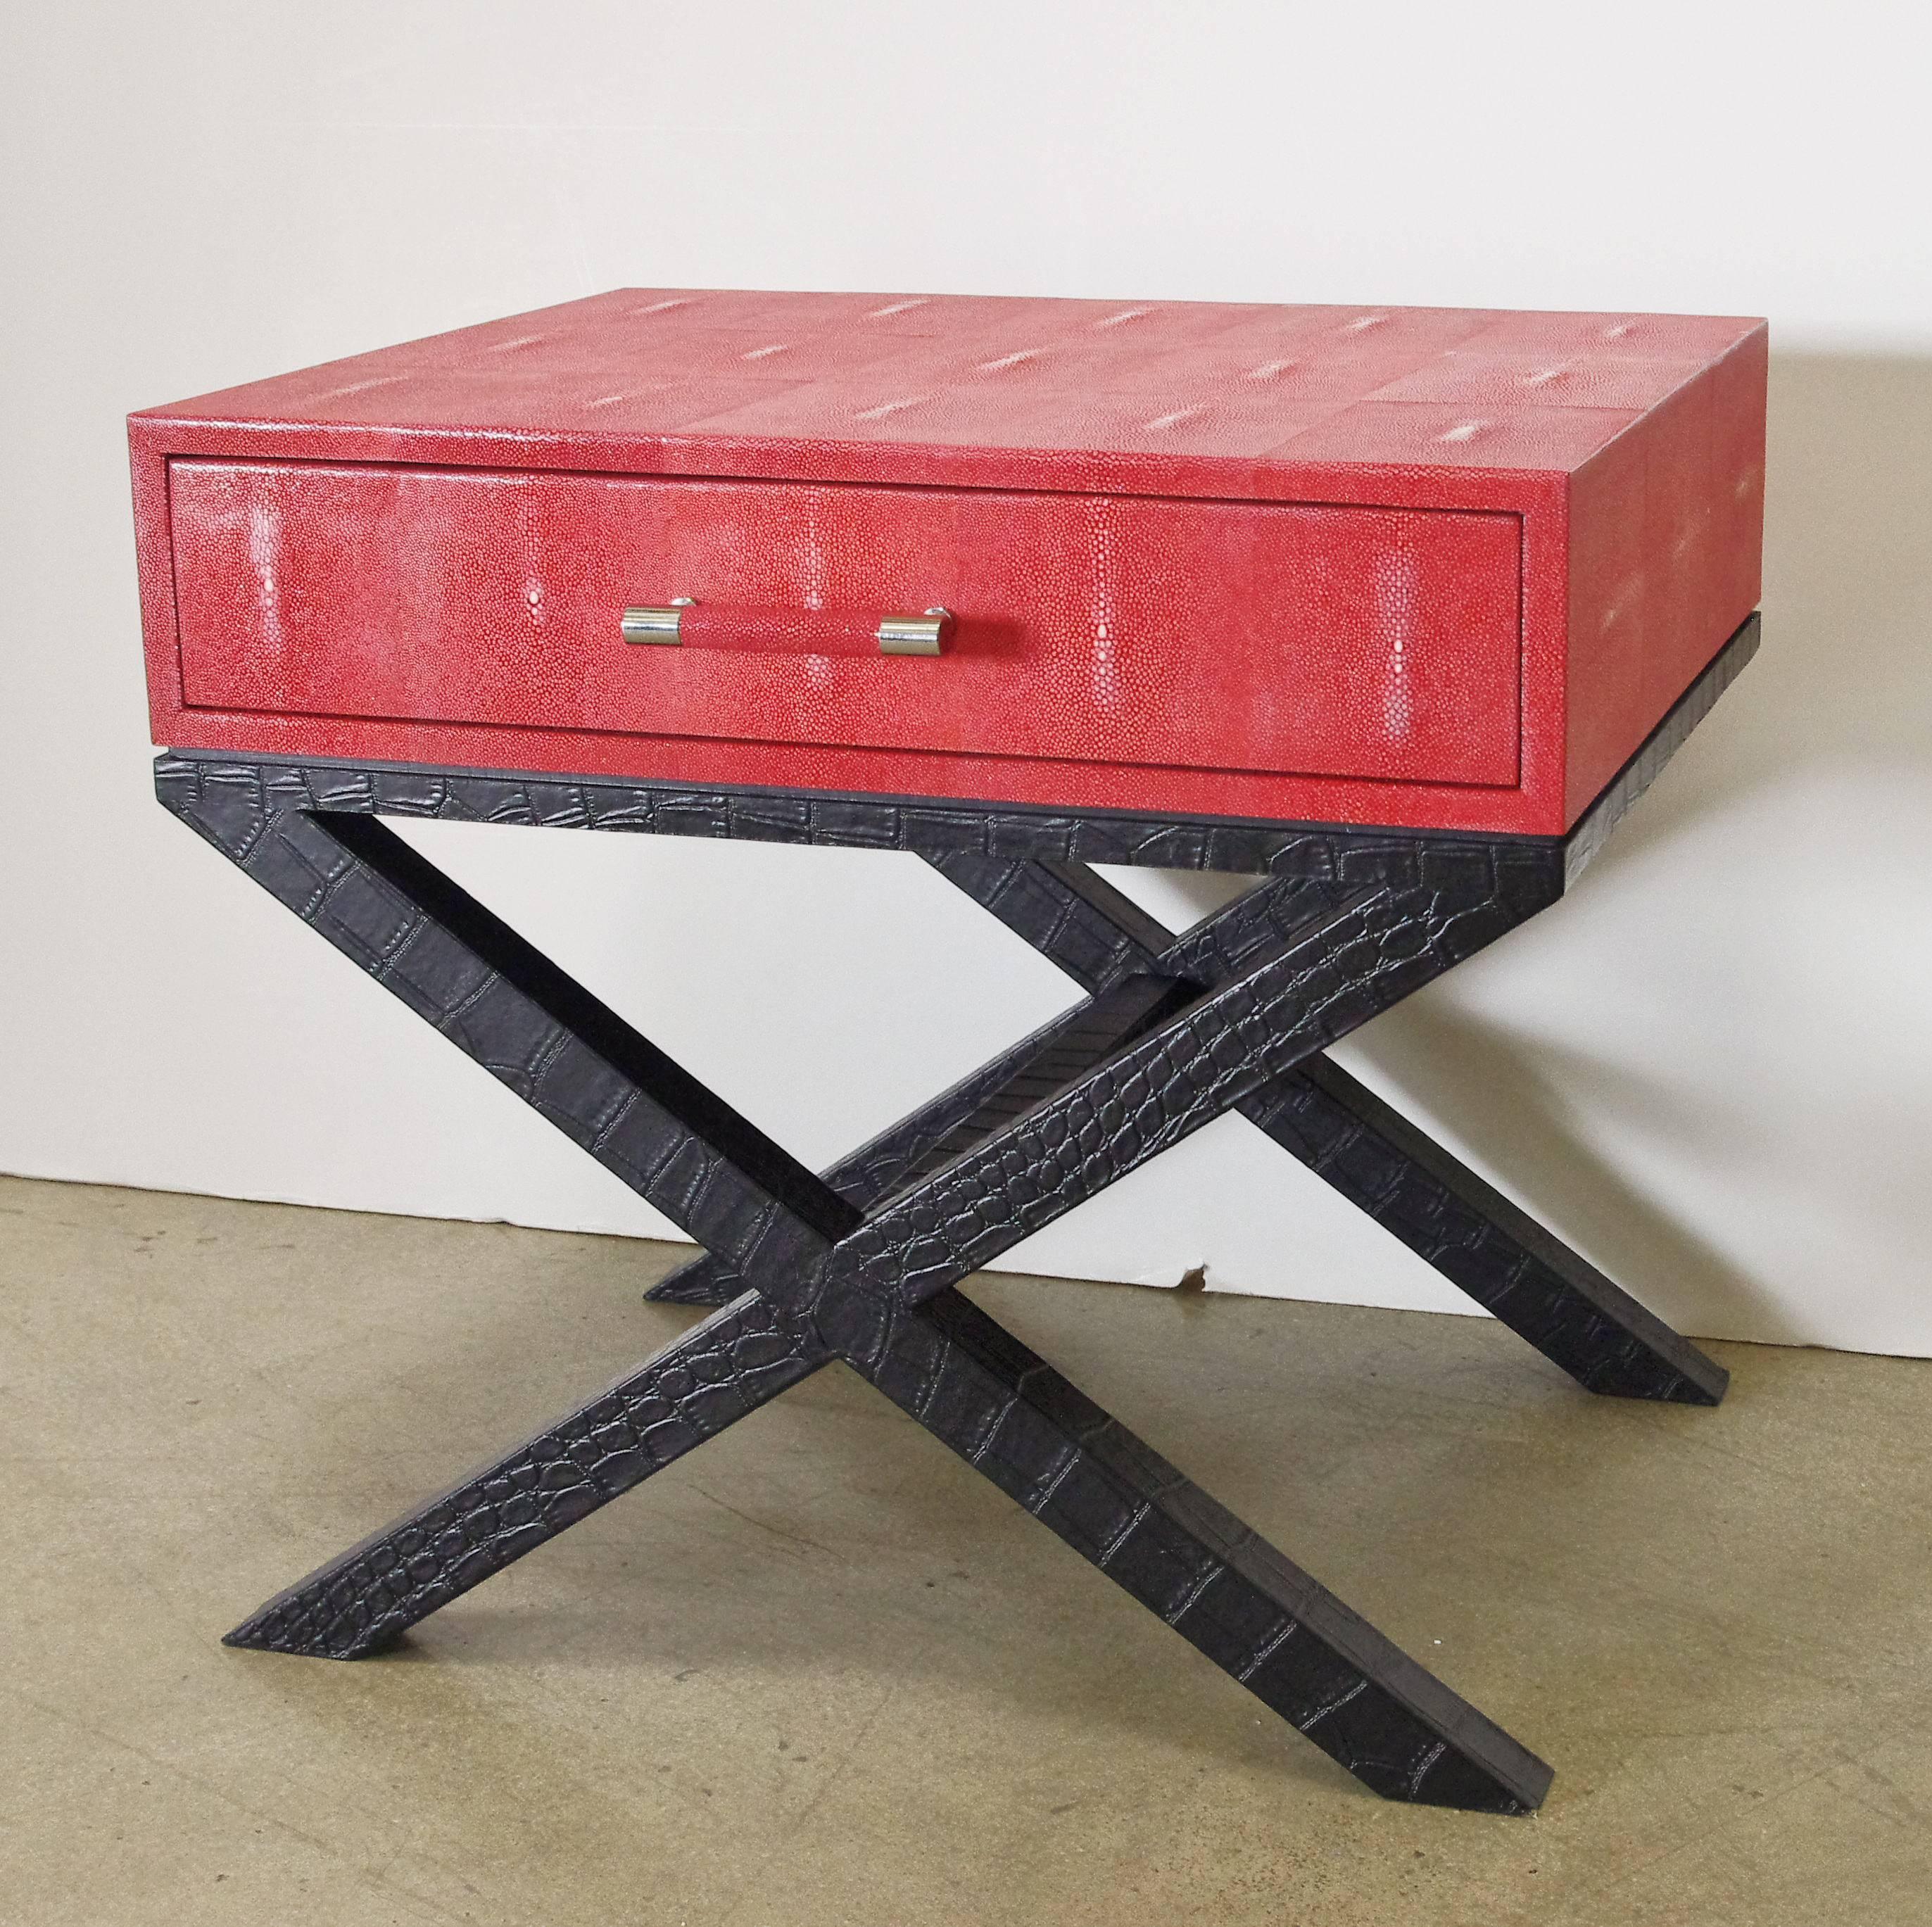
<point x="1416" y="1190"/>
<point x="879" y="1292"/>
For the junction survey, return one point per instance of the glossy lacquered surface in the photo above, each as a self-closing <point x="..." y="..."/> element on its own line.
<point x="1420" y="567"/>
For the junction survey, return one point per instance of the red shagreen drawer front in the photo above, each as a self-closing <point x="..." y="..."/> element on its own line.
<point x="1264" y="636"/>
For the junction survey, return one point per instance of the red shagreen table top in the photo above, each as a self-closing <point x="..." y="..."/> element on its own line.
<point x="989" y="391"/>
<point x="1629" y="445"/>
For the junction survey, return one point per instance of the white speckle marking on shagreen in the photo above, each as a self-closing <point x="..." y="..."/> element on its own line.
<point x="1104" y="667"/>
<point x="265" y="548"/>
<point x="1398" y="599"/>
<point x="812" y="573"/>
<point x="359" y="388"/>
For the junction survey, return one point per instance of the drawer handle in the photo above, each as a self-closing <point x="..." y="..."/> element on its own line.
<point x="684" y="623"/>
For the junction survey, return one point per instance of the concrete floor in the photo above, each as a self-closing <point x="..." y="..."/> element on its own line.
<point x="820" y="1671"/>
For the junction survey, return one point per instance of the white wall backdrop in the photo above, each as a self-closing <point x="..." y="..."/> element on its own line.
<point x="1711" y="1068"/>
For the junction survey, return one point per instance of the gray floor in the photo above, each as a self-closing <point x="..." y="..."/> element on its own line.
<point x="820" y="1672"/>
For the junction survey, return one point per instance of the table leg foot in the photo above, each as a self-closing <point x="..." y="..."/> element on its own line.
<point x="706" y="1379"/>
<point x="1262" y="1620"/>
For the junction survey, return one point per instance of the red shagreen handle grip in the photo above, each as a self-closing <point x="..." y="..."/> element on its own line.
<point x="788" y="631"/>
<point x="783" y="631"/>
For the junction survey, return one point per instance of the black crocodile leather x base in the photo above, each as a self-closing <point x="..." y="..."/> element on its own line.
<point x="864" y="1264"/>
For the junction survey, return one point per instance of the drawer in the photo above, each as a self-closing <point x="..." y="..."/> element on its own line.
<point x="1234" y="635"/>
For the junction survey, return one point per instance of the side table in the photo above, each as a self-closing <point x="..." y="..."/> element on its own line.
<point x="289" y="693"/>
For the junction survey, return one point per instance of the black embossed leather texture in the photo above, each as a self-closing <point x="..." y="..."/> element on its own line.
<point x="864" y="1264"/>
